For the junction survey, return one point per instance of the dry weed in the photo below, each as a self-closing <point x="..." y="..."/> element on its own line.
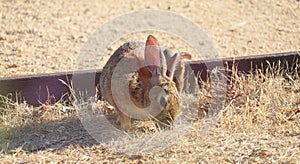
<point x="259" y="123"/>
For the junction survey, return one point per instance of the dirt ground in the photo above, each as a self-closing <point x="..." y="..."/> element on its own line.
<point x="43" y="37"/>
<point x="47" y="36"/>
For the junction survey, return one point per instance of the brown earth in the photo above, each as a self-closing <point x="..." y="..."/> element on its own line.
<point x="43" y="37"/>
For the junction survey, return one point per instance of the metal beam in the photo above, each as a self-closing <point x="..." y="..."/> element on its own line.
<point x="48" y="88"/>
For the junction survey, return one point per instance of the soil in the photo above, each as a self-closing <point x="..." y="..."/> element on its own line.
<point x="45" y="37"/>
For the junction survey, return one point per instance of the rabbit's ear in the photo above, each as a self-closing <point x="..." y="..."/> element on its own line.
<point x="172" y="62"/>
<point x="184" y="55"/>
<point x="152" y="55"/>
<point x="176" y="68"/>
<point x="155" y="62"/>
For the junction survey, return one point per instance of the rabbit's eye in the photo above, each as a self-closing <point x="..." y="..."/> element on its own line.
<point x="163" y="100"/>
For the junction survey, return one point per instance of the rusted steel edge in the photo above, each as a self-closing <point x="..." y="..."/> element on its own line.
<point x="49" y="88"/>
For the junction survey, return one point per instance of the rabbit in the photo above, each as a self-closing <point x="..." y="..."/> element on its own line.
<point x="156" y="69"/>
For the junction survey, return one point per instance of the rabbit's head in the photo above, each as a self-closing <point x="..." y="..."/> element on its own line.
<point x="162" y="69"/>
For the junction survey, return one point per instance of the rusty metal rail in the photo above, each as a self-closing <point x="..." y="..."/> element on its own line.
<point x="48" y="88"/>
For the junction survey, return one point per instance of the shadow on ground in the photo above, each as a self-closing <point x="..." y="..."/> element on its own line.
<point x="56" y="134"/>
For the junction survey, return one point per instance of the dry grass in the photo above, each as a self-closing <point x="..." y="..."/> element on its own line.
<point x="259" y="123"/>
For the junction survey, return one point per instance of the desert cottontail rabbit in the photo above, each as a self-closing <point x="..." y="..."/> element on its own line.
<point x="155" y="68"/>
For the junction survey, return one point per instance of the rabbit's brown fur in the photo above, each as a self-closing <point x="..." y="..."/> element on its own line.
<point x="140" y="84"/>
